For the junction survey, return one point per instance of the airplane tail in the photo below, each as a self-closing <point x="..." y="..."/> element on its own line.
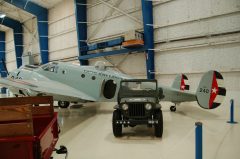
<point x="181" y="82"/>
<point x="211" y="90"/>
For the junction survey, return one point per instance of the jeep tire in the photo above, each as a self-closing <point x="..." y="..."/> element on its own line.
<point x="117" y="128"/>
<point x="159" y="126"/>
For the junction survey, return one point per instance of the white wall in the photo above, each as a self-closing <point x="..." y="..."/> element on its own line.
<point x="198" y="21"/>
<point x="116" y="23"/>
<point x="184" y="37"/>
<point x="62" y="31"/>
<point x="31" y="39"/>
<point x="191" y="36"/>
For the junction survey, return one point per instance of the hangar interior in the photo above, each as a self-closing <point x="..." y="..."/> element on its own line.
<point x="182" y="36"/>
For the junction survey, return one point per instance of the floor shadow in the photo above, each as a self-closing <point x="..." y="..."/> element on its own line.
<point x="134" y="135"/>
<point x="74" y="116"/>
<point x="195" y="112"/>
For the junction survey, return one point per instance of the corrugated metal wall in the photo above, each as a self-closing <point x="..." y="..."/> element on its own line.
<point x="191" y="36"/>
<point x="195" y="36"/>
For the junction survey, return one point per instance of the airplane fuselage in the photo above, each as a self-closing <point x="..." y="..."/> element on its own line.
<point x="102" y="84"/>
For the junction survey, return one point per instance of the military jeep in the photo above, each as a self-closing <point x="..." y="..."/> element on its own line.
<point x="138" y="104"/>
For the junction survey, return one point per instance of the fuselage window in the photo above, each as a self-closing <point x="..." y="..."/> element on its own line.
<point x="83" y="75"/>
<point x="93" y="77"/>
<point x="64" y="72"/>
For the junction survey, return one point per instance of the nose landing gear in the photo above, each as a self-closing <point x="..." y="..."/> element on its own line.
<point x="173" y="108"/>
<point x="63" y="104"/>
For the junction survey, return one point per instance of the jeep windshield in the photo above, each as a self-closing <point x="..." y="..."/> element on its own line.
<point x="138" y="88"/>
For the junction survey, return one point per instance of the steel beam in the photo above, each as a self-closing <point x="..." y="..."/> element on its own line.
<point x="18" y="37"/>
<point x="147" y="13"/>
<point x="2" y="58"/>
<point x="101" y="22"/>
<point x="42" y="21"/>
<point x="121" y="11"/>
<point x="81" y="16"/>
<point x="103" y="45"/>
<point x="109" y="53"/>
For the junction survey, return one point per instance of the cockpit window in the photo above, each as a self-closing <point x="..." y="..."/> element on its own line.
<point x="31" y="66"/>
<point x="52" y="67"/>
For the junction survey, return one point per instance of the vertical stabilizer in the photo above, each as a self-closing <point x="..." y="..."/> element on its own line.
<point x="211" y="90"/>
<point x="181" y="82"/>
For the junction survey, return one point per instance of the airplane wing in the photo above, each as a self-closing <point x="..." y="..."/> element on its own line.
<point x="46" y="88"/>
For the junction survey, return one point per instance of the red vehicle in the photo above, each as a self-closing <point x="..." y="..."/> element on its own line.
<point x="27" y="131"/>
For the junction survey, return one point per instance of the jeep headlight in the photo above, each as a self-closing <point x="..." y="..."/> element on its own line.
<point x="148" y="106"/>
<point x="125" y="107"/>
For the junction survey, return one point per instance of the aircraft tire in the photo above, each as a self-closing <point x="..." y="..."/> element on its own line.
<point x="63" y="104"/>
<point x="173" y="108"/>
<point x="117" y="128"/>
<point x="159" y="126"/>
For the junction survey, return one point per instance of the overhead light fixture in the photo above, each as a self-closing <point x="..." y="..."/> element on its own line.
<point x="2" y="15"/>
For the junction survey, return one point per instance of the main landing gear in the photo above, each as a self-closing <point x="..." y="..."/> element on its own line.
<point x="63" y="104"/>
<point x="173" y="108"/>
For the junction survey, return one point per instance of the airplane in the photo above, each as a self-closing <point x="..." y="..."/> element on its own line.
<point x="72" y="83"/>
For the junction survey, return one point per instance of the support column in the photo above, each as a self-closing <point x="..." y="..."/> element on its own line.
<point x="81" y="19"/>
<point x="198" y="140"/>
<point x="147" y="13"/>
<point x="2" y="58"/>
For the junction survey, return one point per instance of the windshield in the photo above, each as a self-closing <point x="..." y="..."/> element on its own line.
<point x="139" y="86"/>
<point x="50" y="67"/>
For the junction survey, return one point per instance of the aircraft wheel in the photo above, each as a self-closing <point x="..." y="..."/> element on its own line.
<point x="117" y="128"/>
<point x="173" y="108"/>
<point x="159" y="126"/>
<point x="63" y="104"/>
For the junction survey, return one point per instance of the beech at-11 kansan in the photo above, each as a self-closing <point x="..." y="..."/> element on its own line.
<point x="68" y="83"/>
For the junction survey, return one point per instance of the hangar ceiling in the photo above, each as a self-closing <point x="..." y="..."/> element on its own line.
<point x="14" y="12"/>
<point x="23" y="16"/>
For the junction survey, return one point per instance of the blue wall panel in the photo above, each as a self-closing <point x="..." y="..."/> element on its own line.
<point x="42" y="18"/>
<point x="18" y="37"/>
<point x="2" y="58"/>
<point x="81" y="16"/>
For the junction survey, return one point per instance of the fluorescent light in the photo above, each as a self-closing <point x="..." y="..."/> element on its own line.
<point x="2" y="15"/>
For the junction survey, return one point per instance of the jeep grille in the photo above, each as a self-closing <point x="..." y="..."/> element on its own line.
<point x="136" y="110"/>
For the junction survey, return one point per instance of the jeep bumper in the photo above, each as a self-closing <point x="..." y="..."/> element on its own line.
<point x="137" y="122"/>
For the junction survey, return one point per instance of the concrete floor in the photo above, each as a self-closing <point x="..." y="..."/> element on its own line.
<point x="87" y="133"/>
